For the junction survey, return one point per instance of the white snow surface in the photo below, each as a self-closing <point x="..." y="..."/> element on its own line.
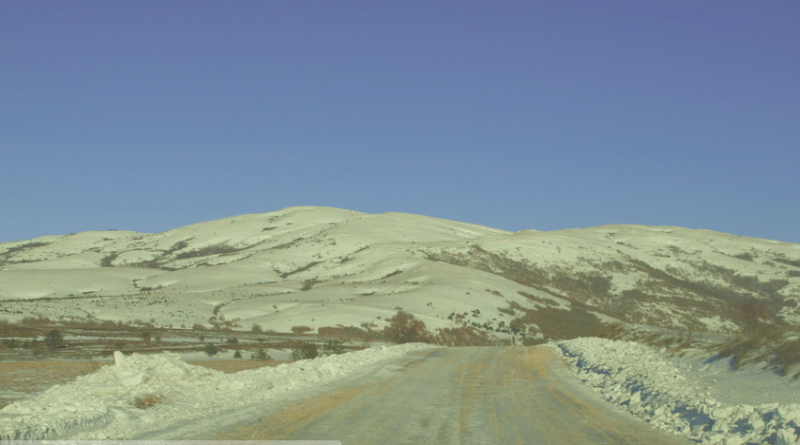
<point x="101" y="405"/>
<point x="288" y="268"/>
<point x="673" y="394"/>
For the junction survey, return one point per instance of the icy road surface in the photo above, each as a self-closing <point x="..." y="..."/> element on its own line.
<point x="509" y="395"/>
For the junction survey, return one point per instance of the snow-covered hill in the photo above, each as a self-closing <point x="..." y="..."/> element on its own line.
<point x="314" y="266"/>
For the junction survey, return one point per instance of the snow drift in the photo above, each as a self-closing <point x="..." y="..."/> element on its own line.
<point x="643" y="382"/>
<point x="143" y="394"/>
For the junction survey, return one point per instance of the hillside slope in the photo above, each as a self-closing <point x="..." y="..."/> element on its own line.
<point x="316" y="267"/>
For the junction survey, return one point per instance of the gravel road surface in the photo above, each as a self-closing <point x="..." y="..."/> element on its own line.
<point x="475" y="395"/>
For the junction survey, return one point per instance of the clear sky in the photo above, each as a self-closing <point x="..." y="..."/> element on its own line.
<point x="150" y="115"/>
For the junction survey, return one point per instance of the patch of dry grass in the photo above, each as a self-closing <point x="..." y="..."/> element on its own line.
<point x="230" y="366"/>
<point x="146" y="402"/>
<point x="35" y="376"/>
<point x="778" y="348"/>
<point x="559" y="324"/>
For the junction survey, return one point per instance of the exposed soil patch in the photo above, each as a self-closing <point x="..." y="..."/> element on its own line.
<point x="230" y="366"/>
<point x="18" y="379"/>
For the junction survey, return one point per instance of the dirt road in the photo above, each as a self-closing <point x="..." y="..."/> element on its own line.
<point x="511" y="395"/>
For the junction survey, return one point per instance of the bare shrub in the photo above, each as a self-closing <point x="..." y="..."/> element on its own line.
<point x="333" y="347"/>
<point x="301" y="329"/>
<point x="787" y="355"/>
<point x="462" y="336"/>
<point x="217" y="249"/>
<point x="304" y="351"/>
<point x="791" y="262"/>
<point x="53" y="339"/>
<point x="349" y="333"/>
<point x="405" y="328"/>
<point x="260" y="355"/>
<point x="507" y="310"/>
<point x="778" y="347"/>
<point x="752" y="312"/>
<point x="300" y="269"/>
<point x="558" y="323"/>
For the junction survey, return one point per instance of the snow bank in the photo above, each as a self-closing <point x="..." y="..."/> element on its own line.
<point x="145" y="393"/>
<point x="642" y="381"/>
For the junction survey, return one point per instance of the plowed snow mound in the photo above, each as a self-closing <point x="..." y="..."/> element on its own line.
<point x="142" y="393"/>
<point x="642" y="381"/>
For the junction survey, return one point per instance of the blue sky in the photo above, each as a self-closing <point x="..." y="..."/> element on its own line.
<point x="150" y="115"/>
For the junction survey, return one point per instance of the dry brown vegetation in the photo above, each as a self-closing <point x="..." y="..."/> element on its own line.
<point x="301" y="329"/>
<point x="35" y="339"/>
<point x="404" y="327"/>
<point x="775" y="348"/>
<point x="560" y="324"/>
<point x="25" y="377"/>
<point x="778" y="348"/>
<point x="145" y="402"/>
<point x="699" y="289"/>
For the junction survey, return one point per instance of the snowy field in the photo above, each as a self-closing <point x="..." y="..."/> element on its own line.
<point x="160" y="396"/>
<point x="691" y="396"/>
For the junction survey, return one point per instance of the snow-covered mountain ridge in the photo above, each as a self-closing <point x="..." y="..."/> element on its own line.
<point x="316" y="267"/>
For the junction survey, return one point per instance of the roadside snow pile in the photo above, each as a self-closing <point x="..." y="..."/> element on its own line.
<point x="145" y="393"/>
<point x="642" y="381"/>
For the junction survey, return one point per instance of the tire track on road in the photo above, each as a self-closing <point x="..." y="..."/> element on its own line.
<point x="470" y="395"/>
